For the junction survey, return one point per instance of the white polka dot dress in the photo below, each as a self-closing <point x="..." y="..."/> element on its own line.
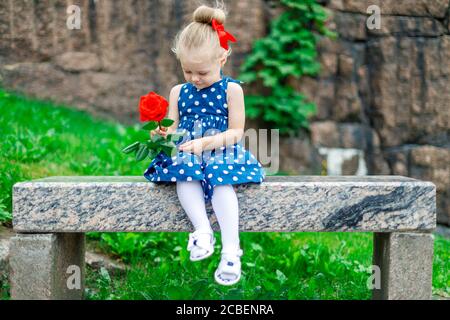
<point x="204" y="112"/>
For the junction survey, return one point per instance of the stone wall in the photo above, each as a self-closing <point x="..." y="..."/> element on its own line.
<point x="386" y="92"/>
<point x="383" y="95"/>
<point x="121" y="51"/>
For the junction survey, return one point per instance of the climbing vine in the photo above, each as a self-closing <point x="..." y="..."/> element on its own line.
<point x="289" y="50"/>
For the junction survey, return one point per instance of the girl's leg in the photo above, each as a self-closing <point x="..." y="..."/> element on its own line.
<point x="225" y="205"/>
<point x="190" y="194"/>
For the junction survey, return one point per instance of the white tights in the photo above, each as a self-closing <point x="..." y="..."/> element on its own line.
<point x="225" y="204"/>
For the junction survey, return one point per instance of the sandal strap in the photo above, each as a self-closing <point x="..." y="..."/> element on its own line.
<point x="197" y="240"/>
<point x="231" y="260"/>
<point x="231" y="266"/>
<point x="235" y="253"/>
<point x="225" y="268"/>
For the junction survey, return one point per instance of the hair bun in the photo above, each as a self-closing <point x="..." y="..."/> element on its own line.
<point x="205" y="14"/>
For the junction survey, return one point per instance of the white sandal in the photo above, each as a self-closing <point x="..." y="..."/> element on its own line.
<point x="230" y="264"/>
<point x="201" y="240"/>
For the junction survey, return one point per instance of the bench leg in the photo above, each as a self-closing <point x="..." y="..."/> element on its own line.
<point x="405" y="262"/>
<point x="47" y="266"/>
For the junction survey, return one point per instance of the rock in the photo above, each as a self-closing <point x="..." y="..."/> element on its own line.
<point x="340" y="161"/>
<point x="432" y="163"/>
<point x="350" y="26"/>
<point x="5" y="235"/>
<point x="443" y="207"/>
<point x="348" y="105"/>
<point x="398" y="159"/>
<point x="443" y="231"/>
<point x="325" y="134"/>
<point x="344" y="135"/>
<point x="350" y="166"/>
<point x="329" y="63"/>
<point x="409" y="65"/>
<point x="408" y="27"/>
<point x="4" y="265"/>
<point x="97" y="261"/>
<point x="299" y="156"/>
<point x="427" y="163"/>
<point x="94" y="260"/>
<point x="4" y="256"/>
<point x="377" y="164"/>
<point x="346" y="66"/>
<point x="436" y="8"/>
<point x="325" y="44"/>
<point x="405" y="259"/>
<point x="78" y="61"/>
<point x="319" y="91"/>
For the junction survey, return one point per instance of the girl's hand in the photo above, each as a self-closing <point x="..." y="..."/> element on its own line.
<point x="194" y="146"/>
<point x="162" y="132"/>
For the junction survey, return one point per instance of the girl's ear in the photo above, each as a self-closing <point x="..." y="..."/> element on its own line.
<point x="223" y="59"/>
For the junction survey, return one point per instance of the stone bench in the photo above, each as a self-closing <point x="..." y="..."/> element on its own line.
<point x="51" y="215"/>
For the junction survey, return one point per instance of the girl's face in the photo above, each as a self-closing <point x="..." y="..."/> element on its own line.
<point x="201" y="72"/>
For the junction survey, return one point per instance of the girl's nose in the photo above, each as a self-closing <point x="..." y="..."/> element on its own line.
<point x="194" y="78"/>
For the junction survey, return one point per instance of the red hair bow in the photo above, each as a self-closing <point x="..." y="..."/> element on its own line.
<point x="224" y="36"/>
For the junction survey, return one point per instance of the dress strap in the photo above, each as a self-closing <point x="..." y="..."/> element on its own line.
<point x="229" y="79"/>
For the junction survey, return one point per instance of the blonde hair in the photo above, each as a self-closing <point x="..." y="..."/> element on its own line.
<point x="200" y="34"/>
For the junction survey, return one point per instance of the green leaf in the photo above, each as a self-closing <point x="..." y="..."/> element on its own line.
<point x="280" y="276"/>
<point x="151" y="125"/>
<point x="157" y="138"/>
<point x="132" y="147"/>
<point x="268" y="77"/>
<point x="151" y="145"/>
<point x="167" y="122"/>
<point x="256" y="247"/>
<point x="169" y="151"/>
<point x="287" y="69"/>
<point x="248" y="77"/>
<point x="105" y="275"/>
<point x="169" y="148"/>
<point x="152" y="154"/>
<point x="142" y="152"/>
<point x="268" y="285"/>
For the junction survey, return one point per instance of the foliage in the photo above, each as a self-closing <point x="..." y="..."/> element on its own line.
<point x="150" y="148"/>
<point x="288" y="51"/>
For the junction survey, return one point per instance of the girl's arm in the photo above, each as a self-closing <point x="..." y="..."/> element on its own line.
<point x="236" y="120"/>
<point x="173" y="108"/>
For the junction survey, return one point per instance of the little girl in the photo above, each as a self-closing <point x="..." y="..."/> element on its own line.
<point x="210" y="109"/>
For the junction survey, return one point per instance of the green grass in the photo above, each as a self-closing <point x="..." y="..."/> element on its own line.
<point x="42" y="139"/>
<point x="275" y="266"/>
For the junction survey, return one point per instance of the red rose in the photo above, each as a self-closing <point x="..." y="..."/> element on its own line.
<point x="152" y="107"/>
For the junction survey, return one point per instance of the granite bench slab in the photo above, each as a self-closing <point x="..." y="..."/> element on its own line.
<point x="280" y="203"/>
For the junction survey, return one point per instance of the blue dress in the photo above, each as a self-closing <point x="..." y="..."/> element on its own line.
<point x="204" y="112"/>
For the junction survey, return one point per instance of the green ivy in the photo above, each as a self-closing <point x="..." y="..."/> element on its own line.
<point x="288" y="51"/>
